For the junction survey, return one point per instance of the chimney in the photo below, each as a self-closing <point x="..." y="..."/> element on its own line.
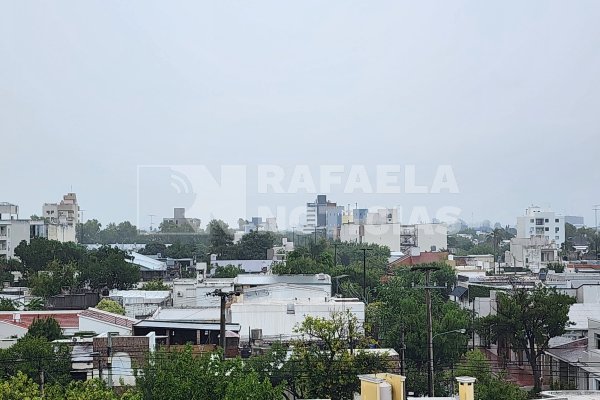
<point x="466" y="388"/>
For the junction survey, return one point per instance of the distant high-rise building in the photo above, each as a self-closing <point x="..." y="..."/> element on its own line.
<point x="180" y="219"/>
<point x="62" y="218"/>
<point x="542" y="223"/>
<point x="12" y="229"/>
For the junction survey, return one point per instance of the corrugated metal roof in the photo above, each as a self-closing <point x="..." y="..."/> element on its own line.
<point x="458" y="291"/>
<point x="147" y="262"/>
<point x="248" y="279"/>
<point x="104" y="316"/>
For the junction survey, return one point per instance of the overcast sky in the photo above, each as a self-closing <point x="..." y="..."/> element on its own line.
<point x="505" y="92"/>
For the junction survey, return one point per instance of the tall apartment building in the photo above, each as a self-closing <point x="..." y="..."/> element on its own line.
<point x="62" y="218"/>
<point x="323" y="215"/>
<point x="179" y="218"/>
<point x="538" y="222"/>
<point x="12" y="230"/>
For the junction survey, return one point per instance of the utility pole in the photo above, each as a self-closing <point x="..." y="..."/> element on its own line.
<point x="365" y="274"/>
<point x="428" y="287"/>
<point x="596" y="208"/>
<point x="151" y="220"/>
<point x="335" y="245"/>
<point x="224" y="296"/>
<point x="402" y="357"/>
<point x="110" y="360"/>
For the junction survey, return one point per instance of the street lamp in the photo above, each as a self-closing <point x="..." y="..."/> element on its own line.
<point x="461" y="331"/>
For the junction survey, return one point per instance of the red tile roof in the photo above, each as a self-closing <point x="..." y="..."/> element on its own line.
<point x="66" y="320"/>
<point x="111" y="318"/>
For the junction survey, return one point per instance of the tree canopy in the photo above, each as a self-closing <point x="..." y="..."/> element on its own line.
<point x="110" y="306"/>
<point x="528" y="319"/>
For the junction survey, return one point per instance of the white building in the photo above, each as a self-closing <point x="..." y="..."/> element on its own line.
<point x="195" y="293"/>
<point x="62" y="218"/>
<point x="12" y="232"/>
<point x="532" y="252"/>
<point x="278" y="309"/>
<point x="141" y="303"/>
<point x="542" y="223"/>
<point x="398" y="237"/>
<point x="100" y="321"/>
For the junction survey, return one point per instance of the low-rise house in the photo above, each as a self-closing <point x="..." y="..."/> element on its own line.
<point x="100" y="321"/>
<point x="15" y="324"/>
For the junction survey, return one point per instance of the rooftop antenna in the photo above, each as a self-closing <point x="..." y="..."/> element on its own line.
<point x="596" y="208"/>
<point x="151" y="220"/>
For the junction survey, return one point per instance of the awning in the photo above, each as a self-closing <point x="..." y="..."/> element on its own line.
<point x="459" y="291"/>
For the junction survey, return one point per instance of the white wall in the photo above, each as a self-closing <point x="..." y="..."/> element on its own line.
<point x="275" y="321"/>
<point x="93" y="325"/>
<point x="8" y="330"/>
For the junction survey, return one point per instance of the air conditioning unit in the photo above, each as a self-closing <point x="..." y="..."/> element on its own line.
<point x="179" y="294"/>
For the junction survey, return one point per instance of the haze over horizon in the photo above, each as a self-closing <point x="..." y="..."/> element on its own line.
<point x="94" y="95"/>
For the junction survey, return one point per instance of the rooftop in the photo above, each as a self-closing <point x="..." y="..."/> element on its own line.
<point x="248" y="279"/>
<point x="246" y="265"/>
<point x="146" y="262"/>
<point x="67" y="319"/>
<point x="105" y="316"/>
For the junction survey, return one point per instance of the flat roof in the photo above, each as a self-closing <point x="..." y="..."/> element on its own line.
<point x="209" y="326"/>
<point x="316" y="279"/>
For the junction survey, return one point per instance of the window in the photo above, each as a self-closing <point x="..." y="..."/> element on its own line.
<point x="556" y="229"/>
<point x="556" y="237"/>
<point x="531" y="220"/>
<point x="556" y="220"/>
<point x="547" y="229"/>
<point x="546" y="220"/>
<point x="539" y="221"/>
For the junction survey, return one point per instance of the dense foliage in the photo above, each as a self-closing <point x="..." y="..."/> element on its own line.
<point x="528" y="319"/>
<point x="488" y="386"/>
<point x="110" y="306"/>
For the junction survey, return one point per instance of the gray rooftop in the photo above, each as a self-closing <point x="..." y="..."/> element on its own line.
<point x="249" y="280"/>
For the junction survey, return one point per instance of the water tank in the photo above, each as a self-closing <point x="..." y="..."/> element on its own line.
<point x="385" y="391"/>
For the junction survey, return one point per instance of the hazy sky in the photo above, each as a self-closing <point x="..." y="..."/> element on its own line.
<point x="505" y="92"/>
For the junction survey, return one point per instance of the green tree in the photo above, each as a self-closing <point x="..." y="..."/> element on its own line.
<point x="330" y="356"/>
<point x="207" y="376"/>
<point x="254" y="245"/>
<point x="51" y="281"/>
<point x="39" y="252"/>
<point x="89" y="232"/>
<point x="154" y="248"/>
<point x="172" y="227"/>
<point x="110" y="306"/>
<point x="227" y="271"/>
<point x="488" y="386"/>
<point x="7" y="305"/>
<point x="47" y="328"/>
<point x="35" y="304"/>
<point x="155" y="284"/>
<point x="220" y="240"/>
<point x="36" y="354"/>
<point x="19" y="387"/>
<point x="107" y="267"/>
<point x="528" y="319"/>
